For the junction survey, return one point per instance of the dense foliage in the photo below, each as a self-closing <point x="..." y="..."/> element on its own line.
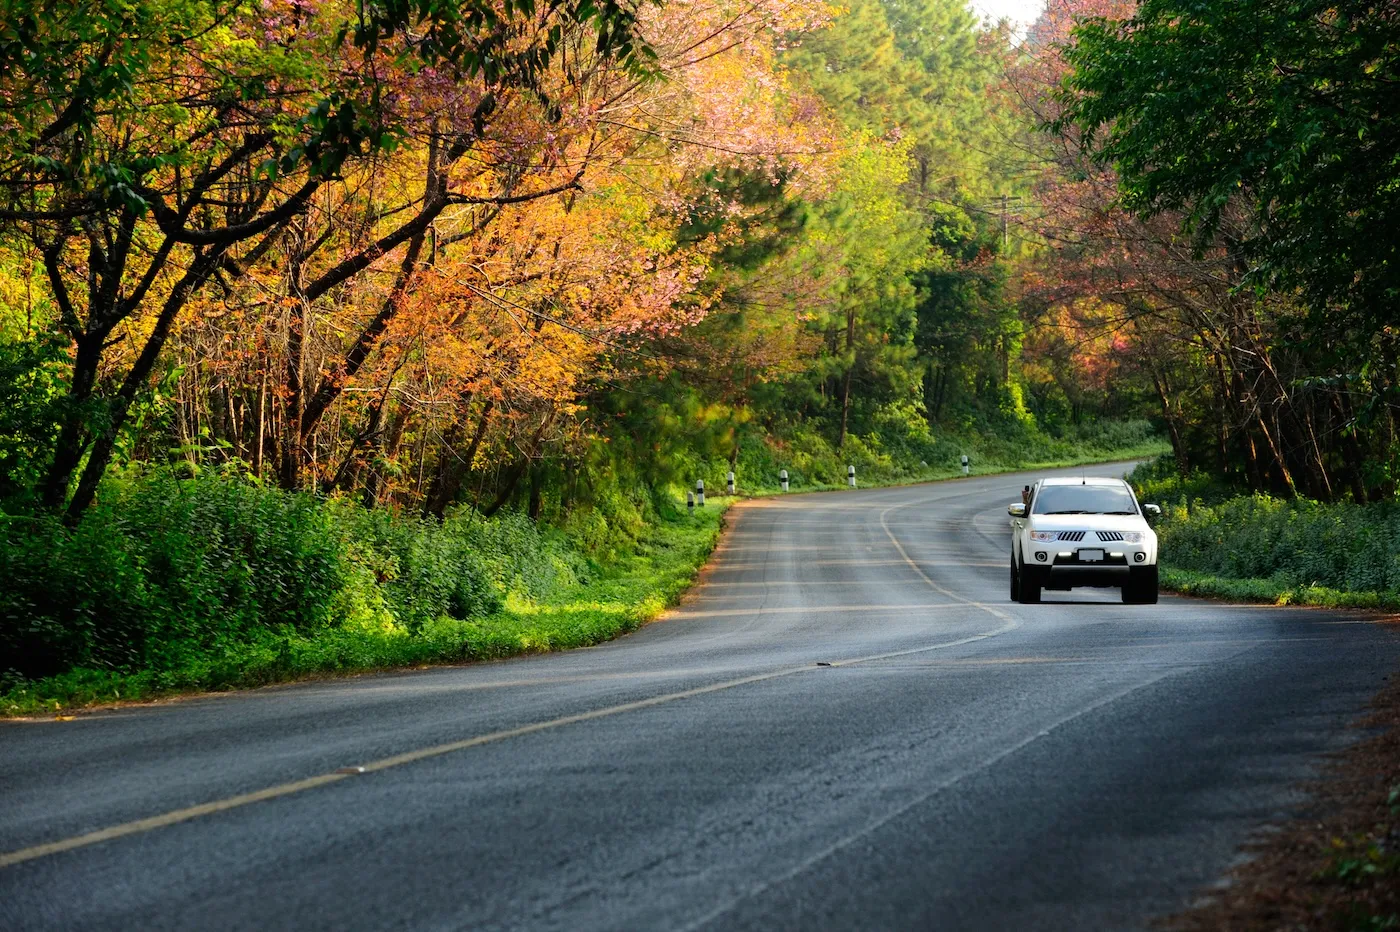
<point x="164" y="568"/>
<point x="1224" y="541"/>
<point x="514" y="257"/>
<point x="1220" y="222"/>
<point x="177" y="584"/>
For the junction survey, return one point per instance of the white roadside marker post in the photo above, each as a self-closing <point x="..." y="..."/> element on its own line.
<point x="731" y="482"/>
<point x="782" y="477"/>
<point x="851" y="476"/>
<point x="690" y="503"/>
<point x="965" y="466"/>
<point x="700" y="492"/>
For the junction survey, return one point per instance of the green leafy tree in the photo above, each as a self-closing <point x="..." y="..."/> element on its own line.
<point x="1291" y="105"/>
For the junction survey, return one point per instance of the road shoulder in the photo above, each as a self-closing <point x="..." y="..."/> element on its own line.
<point x="1336" y="864"/>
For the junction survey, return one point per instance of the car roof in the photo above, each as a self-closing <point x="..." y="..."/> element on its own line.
<point x="1082" y="480"/>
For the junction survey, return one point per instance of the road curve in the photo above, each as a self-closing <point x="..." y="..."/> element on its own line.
<point x="847" y="725"/>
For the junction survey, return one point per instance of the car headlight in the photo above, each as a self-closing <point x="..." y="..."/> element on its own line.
<point x="1045" y="535"/>
<point x="1132" y="537"/>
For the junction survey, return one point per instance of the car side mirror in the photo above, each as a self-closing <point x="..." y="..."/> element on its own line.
<point x="1152" y="511"/>
<point x="1017" y="510"/>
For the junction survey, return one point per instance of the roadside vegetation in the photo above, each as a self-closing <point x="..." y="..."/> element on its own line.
<point x="1219" y="541"/>
<point x="904" y="450"/>
<point x="174" y="585"/>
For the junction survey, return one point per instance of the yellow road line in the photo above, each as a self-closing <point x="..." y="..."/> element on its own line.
<point x="168" y="818"/>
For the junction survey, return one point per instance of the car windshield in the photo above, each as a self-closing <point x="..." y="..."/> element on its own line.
<point x="1084" y="500"/>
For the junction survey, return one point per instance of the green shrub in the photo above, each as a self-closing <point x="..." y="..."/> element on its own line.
<point x="1346" y="547"/>
<point x="32" y="400"/>
<point x="160" y="567"/>
<point x="1283" y="549"/>
<point x="164" y="571"/>
<point x="1159" y="481"/>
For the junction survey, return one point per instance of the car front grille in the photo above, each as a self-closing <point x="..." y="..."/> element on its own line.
<point x="1071" y="535"/>
<point x="1109" y="535"/>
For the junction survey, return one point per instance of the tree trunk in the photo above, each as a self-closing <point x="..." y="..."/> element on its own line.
<point x="536" y="492"/>
<point x="447" y="484"/>
<point x="1183" y="465"/>
<point x="517" y="470"/>
<point x="846" y="382"/>
<point x="1352" y="458"/>
<point x="72" y="440"/>
<point x="261" y="425"/>
<point x="845" y="407"/>
<point x="292" y="452"/>
<point x="136" y="380"/>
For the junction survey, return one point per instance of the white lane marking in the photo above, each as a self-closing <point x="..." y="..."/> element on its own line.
<point x="174" y="817"/>
<point x="918" y="800"/>
<point x="1012" y="623"/>
<point x="848" y="840"/>
<point x="684" y="613"/>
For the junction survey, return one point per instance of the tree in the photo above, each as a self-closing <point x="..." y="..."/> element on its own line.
<point x="1293" y="105"/>
<point x="1179" y="306"/>
<point x="147" y="148"/>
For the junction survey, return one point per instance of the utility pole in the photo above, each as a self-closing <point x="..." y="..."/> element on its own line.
<point x="1006" y="200"/>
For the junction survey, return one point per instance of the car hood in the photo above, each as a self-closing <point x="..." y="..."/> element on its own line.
<point x="1088" y="523"/>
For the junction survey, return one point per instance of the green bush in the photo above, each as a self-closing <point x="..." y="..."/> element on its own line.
<point x="1285" y="549"/>
<point x="1347" y="547"/>
<point x="164" y="570"/>
<point x="160" y="567"/>
<point x="32" y="399"/>
<point x="1159" y="481"/>
<point x="87" y="619"/>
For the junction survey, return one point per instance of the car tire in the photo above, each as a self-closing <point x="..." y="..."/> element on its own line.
<point x="1141" y="587"/>
<point x="1015" y="580"/>
<point x="1029" y="583"/>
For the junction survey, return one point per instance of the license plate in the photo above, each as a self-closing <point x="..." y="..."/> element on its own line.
<point x="1091" y="556"/>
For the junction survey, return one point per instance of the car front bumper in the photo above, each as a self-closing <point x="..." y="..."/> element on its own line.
<point x="1065" y="569"/>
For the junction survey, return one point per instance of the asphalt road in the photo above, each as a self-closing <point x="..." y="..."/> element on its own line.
<point x="963" y="763"/>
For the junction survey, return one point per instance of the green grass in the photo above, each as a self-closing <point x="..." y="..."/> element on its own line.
<point x="618" y="598"/>
<point x="906" y="452"/>
<point x="1273" y="591"/>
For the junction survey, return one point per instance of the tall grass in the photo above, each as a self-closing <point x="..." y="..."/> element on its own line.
<point x="1216" y="541"/>
<point x="217" y="581"/>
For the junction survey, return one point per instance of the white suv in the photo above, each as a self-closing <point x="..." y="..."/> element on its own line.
<point x="1082" y="532"/>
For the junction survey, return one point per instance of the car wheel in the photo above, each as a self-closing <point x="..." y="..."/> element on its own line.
<point x="1015" y="580"/>
<point x="1029" y="584"/>
<point x="1141" y="587"/>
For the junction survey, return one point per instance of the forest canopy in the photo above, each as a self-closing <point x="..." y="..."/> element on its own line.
<point x="512" y="256"/>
